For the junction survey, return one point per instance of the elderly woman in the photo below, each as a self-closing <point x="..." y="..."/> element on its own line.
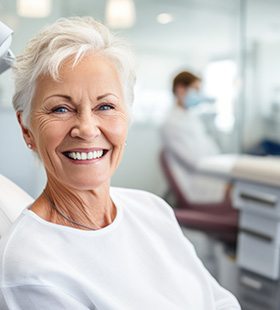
<point x="82" y="244"/>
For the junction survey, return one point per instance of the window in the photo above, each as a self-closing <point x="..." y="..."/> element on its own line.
<point x="220" y="83"/>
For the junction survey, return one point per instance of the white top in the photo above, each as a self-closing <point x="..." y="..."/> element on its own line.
<point x="140" y="261"/>
<point x="185" y="137"/>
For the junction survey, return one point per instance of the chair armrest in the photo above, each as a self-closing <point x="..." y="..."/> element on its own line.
<point x="219" y="166"/>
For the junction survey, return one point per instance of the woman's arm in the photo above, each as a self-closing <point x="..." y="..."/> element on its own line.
<point x="223" y="299"/>
<point x="34" y="297"/>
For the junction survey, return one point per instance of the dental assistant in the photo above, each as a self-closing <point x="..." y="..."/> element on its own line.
<point x="83" y="244"/>
<point x="187" y="142"/>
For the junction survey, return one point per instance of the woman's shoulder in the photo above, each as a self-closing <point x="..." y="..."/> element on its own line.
<point x="12" y="231"/>
<point x="142" y="200"/>
<point x="134" y="194"/>
<point x="13" y="246"/>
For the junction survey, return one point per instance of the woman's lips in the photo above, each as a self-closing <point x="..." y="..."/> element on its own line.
<point x="86" y="150"/>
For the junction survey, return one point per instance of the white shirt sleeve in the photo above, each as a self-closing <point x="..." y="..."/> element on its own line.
<point x="224" y="300"/>
<point x="34" y="297"/>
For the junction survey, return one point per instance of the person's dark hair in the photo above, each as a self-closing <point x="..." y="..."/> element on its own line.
<point x="184" y="78"/>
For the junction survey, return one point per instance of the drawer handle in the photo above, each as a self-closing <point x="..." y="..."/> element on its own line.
<point x="252" y="283"/>
<point x="266" y="201"/>
<point x="256" y="234"/>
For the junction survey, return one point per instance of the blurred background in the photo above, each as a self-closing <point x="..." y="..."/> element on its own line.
<point x="232" y="44"/>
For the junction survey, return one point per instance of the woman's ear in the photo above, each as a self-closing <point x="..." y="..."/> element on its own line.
<point x="27" y="135"/>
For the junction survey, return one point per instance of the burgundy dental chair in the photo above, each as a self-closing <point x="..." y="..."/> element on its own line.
<point x="219" y="220"/>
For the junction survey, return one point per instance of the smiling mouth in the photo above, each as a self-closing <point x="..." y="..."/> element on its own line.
<point x="84" y="156"/>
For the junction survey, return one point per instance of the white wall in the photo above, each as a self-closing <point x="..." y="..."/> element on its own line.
<point x="263" y="77"/>
<point x="16" y="161"/>
<point x="268" y="83"/>
<point x="250" y="113"/>
<point x="140" y="167"/>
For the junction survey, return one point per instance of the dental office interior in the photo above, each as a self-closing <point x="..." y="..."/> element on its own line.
<point x="233" y="46"/>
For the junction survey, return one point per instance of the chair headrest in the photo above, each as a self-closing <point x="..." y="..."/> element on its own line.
<point x="13" y="200"/>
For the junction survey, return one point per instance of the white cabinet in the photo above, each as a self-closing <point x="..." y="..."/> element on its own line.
<point x="258" y="247"/>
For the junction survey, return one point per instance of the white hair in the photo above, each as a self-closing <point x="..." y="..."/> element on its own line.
<point x="74" y="36"/>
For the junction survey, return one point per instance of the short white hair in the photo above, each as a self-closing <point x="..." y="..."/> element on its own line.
<point x="74" y="36"/>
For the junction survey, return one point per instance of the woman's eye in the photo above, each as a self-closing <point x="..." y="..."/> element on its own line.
<point x="60" y="110"/>
<point x="105" y="107"/>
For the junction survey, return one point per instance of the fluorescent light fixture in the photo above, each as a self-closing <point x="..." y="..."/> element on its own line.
<point x="34" y="8"/>
<point x="120" y="13"/>
<point x="164" y="18"/>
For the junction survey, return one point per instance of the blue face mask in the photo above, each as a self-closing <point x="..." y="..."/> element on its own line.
<point x="194" y="98"/>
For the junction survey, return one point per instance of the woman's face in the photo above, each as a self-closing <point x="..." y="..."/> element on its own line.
<point x="79" y="124"/>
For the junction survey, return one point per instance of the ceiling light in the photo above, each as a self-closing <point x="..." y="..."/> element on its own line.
<point x="164" y="18"/>
<point x="120" y="13"/>
<point x="34" y="8"/>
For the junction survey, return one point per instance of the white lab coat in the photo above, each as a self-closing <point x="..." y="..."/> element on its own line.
<point x="185" y="137"/>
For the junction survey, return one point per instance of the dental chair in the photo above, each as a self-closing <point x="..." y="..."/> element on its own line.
<point x="12" y="198"/>
<point x="12" y="202"/>
<point x="217" y="219"/>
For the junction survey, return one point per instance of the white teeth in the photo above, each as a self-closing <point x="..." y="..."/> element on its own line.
<point x="85" y="156"/>
<point x="72" y="155"/>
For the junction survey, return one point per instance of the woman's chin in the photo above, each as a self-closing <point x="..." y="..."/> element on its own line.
<point x="88" y="184"/>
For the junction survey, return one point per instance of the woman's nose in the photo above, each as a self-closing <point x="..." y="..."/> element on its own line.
<point x="86" y="127"/>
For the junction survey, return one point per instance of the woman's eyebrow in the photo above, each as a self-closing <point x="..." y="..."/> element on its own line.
<point x="68" y="98"/>
<point x="105" y="95"/>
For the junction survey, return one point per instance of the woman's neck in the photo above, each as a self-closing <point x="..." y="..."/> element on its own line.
<point x="91" y="208"/>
